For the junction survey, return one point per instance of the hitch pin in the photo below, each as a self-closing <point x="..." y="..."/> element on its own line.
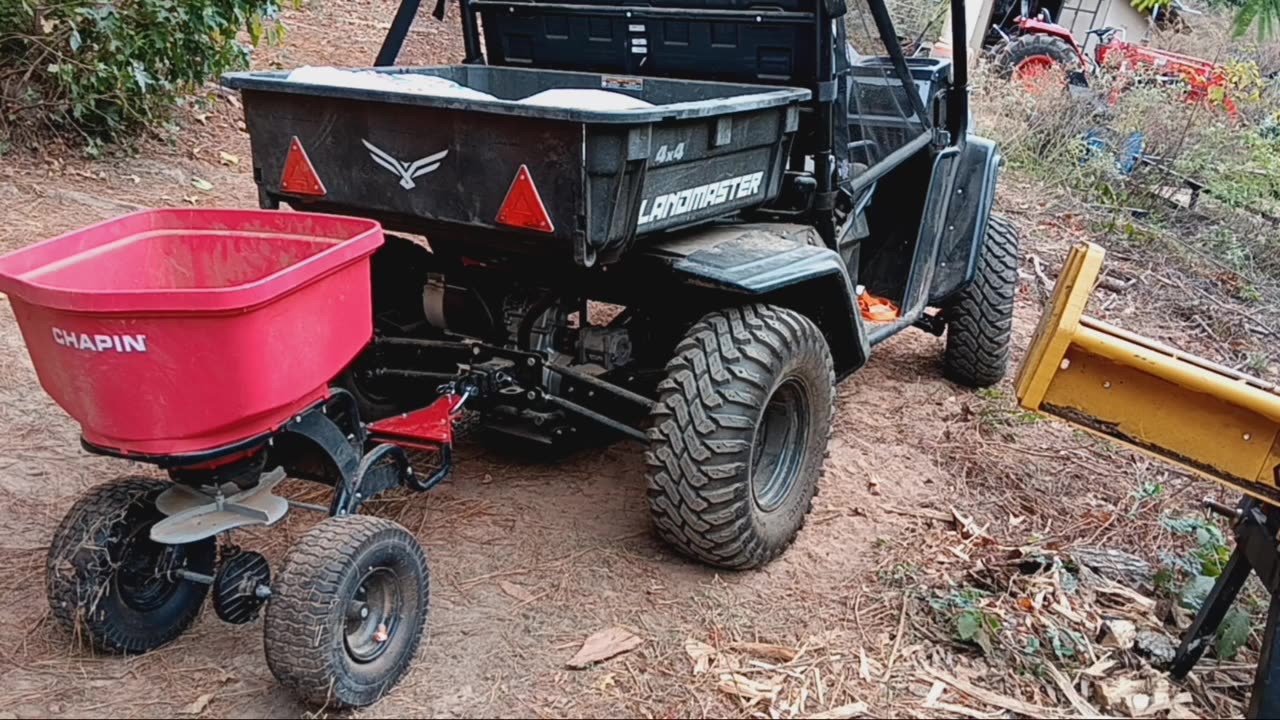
<point x="457" y="408"/>
<point x="1218" y="508"/>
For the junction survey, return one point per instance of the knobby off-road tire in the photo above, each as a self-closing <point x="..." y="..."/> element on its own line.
<point x="749" y="390"/>
<point x="108" y="583"/>
<point x="398" y="273"/>
<point x="980" y="320"/>
<point x="318" y="642"/>
<point x="1025" y="49"/>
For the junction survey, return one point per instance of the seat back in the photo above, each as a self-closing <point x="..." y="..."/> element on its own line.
<point x="772" y="42"/>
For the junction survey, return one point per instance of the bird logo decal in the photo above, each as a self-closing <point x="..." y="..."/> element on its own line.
<point x="406" y="171"/>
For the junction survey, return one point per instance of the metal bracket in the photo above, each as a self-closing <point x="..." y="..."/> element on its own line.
<point x="932" y="324"/>
<point x="1255" y="550"/>
<point x="325" y="433"/>
<point x="195" y="514"/>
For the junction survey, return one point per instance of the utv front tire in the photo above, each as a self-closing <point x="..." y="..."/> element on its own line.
<point x="108" y="583"/>
<point x="740" y="434"/>
<point x="980" y="320"/>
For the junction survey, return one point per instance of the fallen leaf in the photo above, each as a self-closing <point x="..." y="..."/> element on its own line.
<point x="1100" y="668"/>
<point x="700" y="653"/>
<point x="228" y="159"/>
<point x="1119" y="634"/>
<point x="780" y="653"/>
<point x="842" y="712"/>
<point x="605" y="682"/>
<point x="864" y="667"/>
<point x="1118" y="694"/>
<point x="603" y="645"/>
<point x="745" y="687"/>
<point x="516" y="591"/>
<point x="201" y="184"/>
<point x="198" y="705"/>
<point x="966" y="525"/>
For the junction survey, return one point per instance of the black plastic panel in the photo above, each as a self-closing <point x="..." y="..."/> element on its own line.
<point x="443" y="166"/>
<point x="726" y="40"/>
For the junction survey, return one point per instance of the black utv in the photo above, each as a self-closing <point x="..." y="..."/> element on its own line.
<point x="695" y="267"/>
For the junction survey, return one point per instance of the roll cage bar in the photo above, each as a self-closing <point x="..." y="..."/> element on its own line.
<point x="819" y="63"/>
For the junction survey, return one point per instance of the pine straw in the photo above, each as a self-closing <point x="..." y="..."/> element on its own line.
<point x="1027" y="487"/>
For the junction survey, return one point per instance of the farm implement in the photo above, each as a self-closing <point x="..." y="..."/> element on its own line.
<point x="666" y="223"/>
<point x="1206" y="418"/>
<point x="1041" y="47"/>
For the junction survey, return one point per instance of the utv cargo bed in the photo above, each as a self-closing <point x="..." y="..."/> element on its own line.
<point x="486" y="177"/>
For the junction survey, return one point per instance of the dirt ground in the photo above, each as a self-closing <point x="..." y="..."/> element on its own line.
<point x="527" y="559"/>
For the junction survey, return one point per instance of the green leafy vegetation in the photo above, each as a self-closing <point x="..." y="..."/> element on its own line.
<point x="106" y="69"/>
<point x="1190" y="576"/>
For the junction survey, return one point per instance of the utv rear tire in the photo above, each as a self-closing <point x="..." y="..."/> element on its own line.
<point x="1039" y="52"/>
<point x="347" y="613"/>
<point x="398" y="274"/>
<point x="980" y="320"/>
<point x="740" y="434"/>
<point x="107" y="581"/>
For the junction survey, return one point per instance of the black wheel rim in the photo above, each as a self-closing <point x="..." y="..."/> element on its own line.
<point x="778" y="448"/>
<point x="373" y="614"/>
<point x="144" y="571"/>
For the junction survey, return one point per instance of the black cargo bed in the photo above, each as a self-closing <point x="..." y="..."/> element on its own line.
<point x="705" y="149"/>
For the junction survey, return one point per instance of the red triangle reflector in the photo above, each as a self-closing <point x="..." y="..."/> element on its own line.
<point x="523" y="207"/>
<point x="299" y="176"/>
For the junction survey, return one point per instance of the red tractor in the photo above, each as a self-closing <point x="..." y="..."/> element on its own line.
<point x="1040" y="46"/>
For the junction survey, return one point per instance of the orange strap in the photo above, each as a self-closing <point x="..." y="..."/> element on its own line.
<point x="876" y="309"/>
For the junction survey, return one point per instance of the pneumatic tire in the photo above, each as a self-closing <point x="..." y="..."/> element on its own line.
<point x="1028" y="57"/>
<point x="347" y="613"/>
<point x="108" y="583"/>
<point x="740" y="434"/>
<point x="980" y="319"/>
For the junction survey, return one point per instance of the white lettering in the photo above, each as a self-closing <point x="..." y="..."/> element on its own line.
<point x="682" y="202"/>
<point x="99" y="342"/>
<point x="699" y="197"/>
<point x="660" y="207"/>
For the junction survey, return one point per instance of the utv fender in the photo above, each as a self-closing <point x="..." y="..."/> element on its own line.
<point x="973" y="192"/>
<point x="778" y="264"/>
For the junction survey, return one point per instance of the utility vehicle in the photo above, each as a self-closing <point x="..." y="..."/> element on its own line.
<point x="690" y="271"/>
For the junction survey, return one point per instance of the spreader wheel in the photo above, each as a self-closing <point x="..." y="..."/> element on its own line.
<point x="740" y="435"/>
<point x="347" y="612"/>
<point x="110" y="584"/>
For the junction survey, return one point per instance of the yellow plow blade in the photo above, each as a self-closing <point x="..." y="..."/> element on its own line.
<point x="1208" y="418"/>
